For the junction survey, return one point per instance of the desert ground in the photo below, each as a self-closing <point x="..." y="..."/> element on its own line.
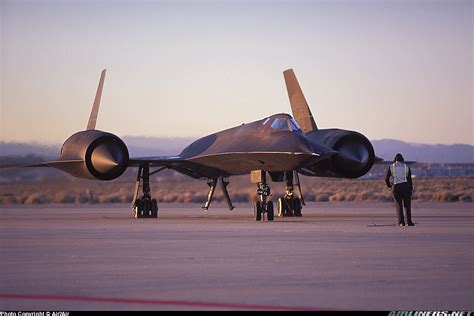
<point x="174" y="188"/>
<point x="338" y="256"/>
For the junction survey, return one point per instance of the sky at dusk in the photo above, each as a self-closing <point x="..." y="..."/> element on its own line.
<point x="388" y="69"/>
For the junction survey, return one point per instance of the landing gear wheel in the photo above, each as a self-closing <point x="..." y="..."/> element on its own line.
<point x="257" y="210"/>
<point x="289" y="204"/>
<point x="285" y="207"/>
<point x="154" y="208"/>
<point x="297" y="207"/>
<point x="262" y="205"/>
<point x="270" y="213"/>
<point x="145" y="208"/>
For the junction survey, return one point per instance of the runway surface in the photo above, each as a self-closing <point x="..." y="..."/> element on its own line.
<point x="338" y="256"/>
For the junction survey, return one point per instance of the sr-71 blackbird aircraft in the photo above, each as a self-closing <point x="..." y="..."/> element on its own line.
<point x="278" y="146"/>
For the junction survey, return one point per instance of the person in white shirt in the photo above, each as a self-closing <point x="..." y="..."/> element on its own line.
<point x="399" y="179"/>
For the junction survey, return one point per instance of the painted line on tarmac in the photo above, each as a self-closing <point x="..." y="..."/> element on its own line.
<point x="152" y="302"/>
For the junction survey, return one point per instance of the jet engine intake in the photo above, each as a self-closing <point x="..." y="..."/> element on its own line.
<point x="104" y="156"/>
<point x="355" y="155"/>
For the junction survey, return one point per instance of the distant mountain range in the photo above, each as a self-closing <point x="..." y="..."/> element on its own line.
<point x="156" y="146"/>
<point x="457" y="153"/>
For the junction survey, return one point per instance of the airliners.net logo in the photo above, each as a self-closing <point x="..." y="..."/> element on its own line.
<point x="430" y="313"/>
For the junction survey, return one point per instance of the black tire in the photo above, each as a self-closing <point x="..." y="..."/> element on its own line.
<point x="257" y="211"/>
<point x="297" y="207"/>
<point x="147" y="208"/>
<point x="270" y="211"/>
<point x="154" y="208"/>
<point x="142" y="208"/>
<point x="288" y="203"/>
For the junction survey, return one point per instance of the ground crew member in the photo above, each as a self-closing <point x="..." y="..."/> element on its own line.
<point x="399" y="179"/>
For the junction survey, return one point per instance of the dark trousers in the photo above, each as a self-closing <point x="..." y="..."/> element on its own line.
<point x="402" y="197"/>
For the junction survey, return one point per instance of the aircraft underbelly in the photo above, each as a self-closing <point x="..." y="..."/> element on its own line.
<point x="242" y="163"/>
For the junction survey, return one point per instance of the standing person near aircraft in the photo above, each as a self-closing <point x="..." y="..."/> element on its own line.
<point x="399" y="179"/>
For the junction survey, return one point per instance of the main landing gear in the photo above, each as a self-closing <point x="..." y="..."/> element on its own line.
<point x="145" y="206"/>
<point x="289" y="205"/>
<point x="262" y="206"/>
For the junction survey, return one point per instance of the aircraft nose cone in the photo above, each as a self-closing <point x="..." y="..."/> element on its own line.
<point x="105" y="158"/>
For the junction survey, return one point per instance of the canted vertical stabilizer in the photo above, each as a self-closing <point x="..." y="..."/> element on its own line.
<point x="299" y="106"/>
<point x="95" y="107"/>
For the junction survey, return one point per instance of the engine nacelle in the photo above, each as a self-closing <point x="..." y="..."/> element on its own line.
<point x="104" y="155"/>
<point x="355" y="154"/>
<point x="355" y="157"/>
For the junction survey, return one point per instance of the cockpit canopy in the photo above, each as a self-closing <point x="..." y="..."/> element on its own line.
<point x="282" y="122"/>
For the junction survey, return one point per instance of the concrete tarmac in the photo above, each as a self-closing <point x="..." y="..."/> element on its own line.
<point x="338" y="256"/>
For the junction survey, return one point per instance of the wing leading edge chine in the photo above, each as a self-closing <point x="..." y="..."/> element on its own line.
<point x="179" y="164"/>
<point x="234" y="163"/>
